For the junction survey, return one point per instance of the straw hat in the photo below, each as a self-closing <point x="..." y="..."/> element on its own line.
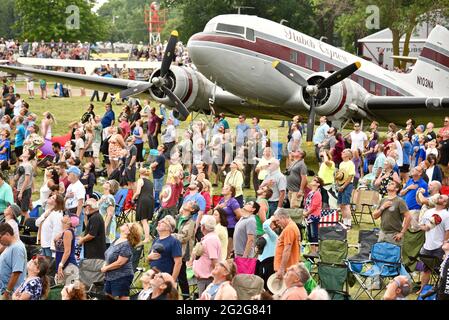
<point x="341" y="177"/>
<point x="275" y="285"/>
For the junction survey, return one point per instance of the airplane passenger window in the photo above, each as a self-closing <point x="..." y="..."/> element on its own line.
<point x="294" y="57"/>
<point x="309" y="62"/>
<point x="230" y="28"/>
<point x="249" y="34"/>
<point x="360" y="81"/>
<point x="383" y="91"/>
<point x="372" y="87"/>
<point x="322" y="66"/>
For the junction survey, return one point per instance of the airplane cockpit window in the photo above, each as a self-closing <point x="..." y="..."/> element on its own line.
<point x="221" y="27"/>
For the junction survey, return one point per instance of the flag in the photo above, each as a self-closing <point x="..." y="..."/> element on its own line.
<point x="328" y="218"/>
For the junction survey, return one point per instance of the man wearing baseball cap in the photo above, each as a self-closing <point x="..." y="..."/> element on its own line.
<point x="94" y="239"/>
<point x="74" y="198"/>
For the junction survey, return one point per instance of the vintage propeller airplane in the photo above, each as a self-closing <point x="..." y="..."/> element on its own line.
<point x="246" y="64"/>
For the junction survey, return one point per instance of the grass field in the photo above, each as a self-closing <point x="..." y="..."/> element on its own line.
<point x="67" y="110"/>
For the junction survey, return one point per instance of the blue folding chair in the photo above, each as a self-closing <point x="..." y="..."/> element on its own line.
<point x="120" y="198"/>
<point x="384" y="263"/>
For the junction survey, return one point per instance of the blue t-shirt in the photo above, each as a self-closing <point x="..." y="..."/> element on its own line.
<point x="7" y="146"/>
<point x="108" y="117"/>
<point x="200" y="201"/>
<point x="421" y="154"/>
<point x="242" y="133"/>
<point x="160" y="168"/>
<point x="172" y="249"/>
<point x="20" y="136"/>
<point x="410" y="196"/>
<point x="13" y="259"/>
<point x="407" y="151"/>
<point x="122" y="249"/>
<point x="136" y="133"/>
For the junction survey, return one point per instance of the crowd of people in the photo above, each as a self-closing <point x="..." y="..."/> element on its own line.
<point x="12" y="49"/>
<point x="191" y="206"/>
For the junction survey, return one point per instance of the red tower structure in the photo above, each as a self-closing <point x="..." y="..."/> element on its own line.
<point x="155" y="19"/>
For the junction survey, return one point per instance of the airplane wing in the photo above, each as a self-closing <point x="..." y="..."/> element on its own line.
<point x="78" y="80"/>
<point x="88" y="65"/>
<point x="376" y="103"/>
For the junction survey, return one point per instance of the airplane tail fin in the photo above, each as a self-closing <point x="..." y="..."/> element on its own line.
<point x="430" y="73"/>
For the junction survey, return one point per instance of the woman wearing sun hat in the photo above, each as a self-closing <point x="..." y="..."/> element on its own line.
<point x="235" y="179"/>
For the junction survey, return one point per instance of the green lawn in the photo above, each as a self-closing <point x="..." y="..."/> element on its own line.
<point x="67" y="110"/>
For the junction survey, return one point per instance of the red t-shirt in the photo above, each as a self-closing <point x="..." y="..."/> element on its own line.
<point x="152" y="122"/>
<point x="126" y="130"/>
<point x="176" y="190"/>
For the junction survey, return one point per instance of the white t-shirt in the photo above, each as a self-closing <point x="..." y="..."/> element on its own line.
<point x="429" y="173"/>
<point x="295" y="140"/>
<point x="79" y="192"/>
<point x="17" y="106"/>
<point x="358" y="140"/>
<point x="432" y="151"/>
<point x="78" y="146"/>
<point x="400" y="160"/>
<point x="15" y="227"/>
<point x="50" y="227"/>
<point x="170" y="134"/>
<point x="435" y="237"/>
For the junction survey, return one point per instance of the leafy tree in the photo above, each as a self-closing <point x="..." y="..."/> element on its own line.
<point x="401" y="16"/>
<point x="49" y="19"/>
<point x="8" y="17"/>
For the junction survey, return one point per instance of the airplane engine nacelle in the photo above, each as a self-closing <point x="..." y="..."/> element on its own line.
<point x="183" y="82"/>
<point x="339" y="101"/>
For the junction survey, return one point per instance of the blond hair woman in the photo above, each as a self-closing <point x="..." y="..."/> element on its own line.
<point x="118" y="266"/>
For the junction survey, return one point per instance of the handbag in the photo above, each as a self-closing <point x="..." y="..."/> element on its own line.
<point x="245" y="265"/>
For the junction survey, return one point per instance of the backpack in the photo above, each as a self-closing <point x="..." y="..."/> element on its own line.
<point x="247" y="286"/>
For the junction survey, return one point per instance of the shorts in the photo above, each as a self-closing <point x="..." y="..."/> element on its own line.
<point x="24" y="204"/>
<point x="293" y="199"/>
<point x="96" y="149"/>
<point x="344" y="197"/>
<point x="437" y="253"/>
<point x="118" y="287"/>
<point x="312" y="231"/>
<point x="231" y="232"/>
<point x="445" y="170"/>
<point x="404" y="168"/>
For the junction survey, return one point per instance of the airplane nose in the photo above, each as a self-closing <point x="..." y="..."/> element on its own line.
<point x="198" y="53"/>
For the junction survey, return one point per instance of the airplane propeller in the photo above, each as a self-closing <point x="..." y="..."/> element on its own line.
<point x="161" y="81"/>
<point x="314" y="90"/>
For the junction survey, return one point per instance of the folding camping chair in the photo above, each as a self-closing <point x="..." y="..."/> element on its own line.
<point x="332" y="270"/>
<point x="122" y="213"/>
<point x="433" y="264"/>
<point x="364" y="203"/>
<point x="384" y="263"/>
<point x="367" y="238"/>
